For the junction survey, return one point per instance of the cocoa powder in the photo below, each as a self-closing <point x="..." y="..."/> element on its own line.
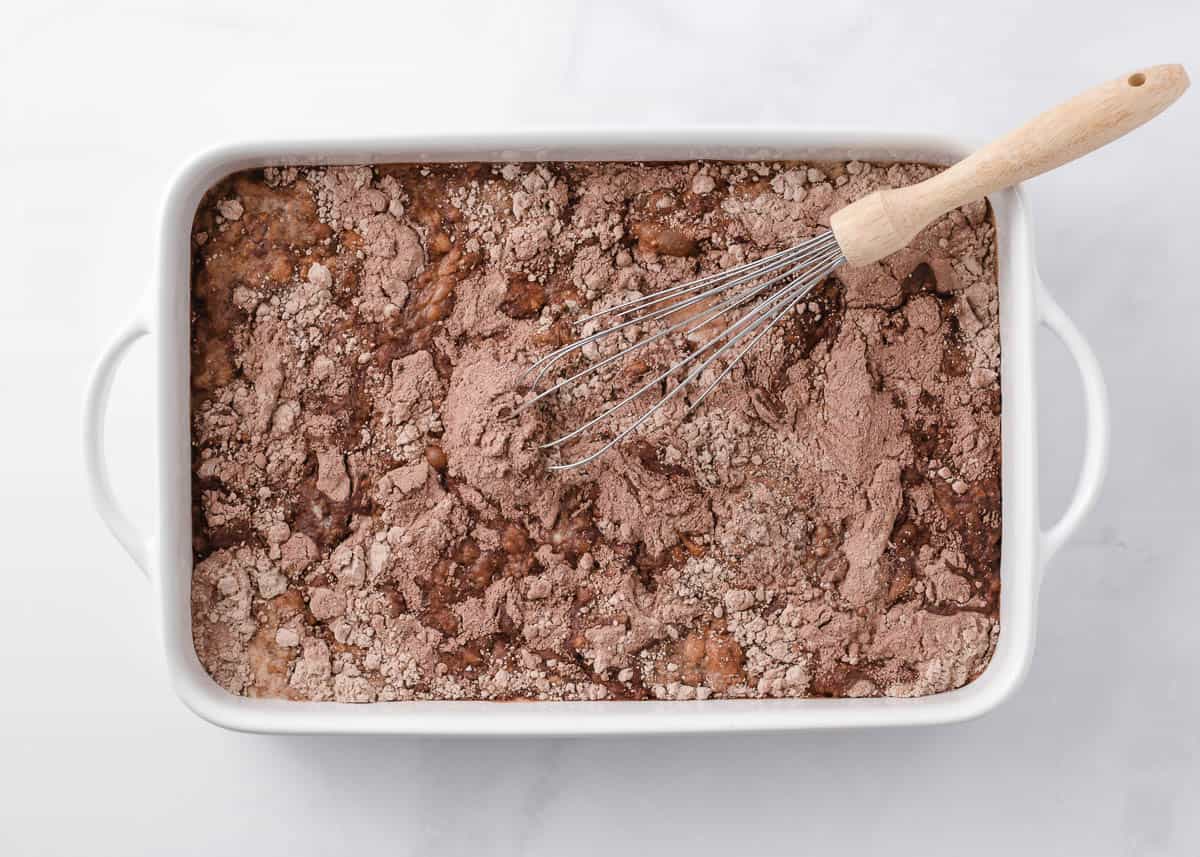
<point x="371" y="524"/>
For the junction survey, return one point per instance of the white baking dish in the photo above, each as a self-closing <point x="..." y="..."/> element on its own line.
<point x="166" y="555"/>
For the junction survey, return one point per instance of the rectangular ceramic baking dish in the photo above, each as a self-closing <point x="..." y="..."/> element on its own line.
<point x="166" y="555"/>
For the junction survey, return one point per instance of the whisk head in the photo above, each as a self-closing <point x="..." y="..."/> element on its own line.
<point x="758" y="294"/>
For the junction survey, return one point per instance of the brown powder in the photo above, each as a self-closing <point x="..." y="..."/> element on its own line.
<point x="371" y="525"/>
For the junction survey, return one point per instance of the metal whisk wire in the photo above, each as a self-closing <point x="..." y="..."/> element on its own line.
<point x="775" y="284"/>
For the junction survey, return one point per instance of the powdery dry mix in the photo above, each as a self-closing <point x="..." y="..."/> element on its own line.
<point x="371" y="525"/>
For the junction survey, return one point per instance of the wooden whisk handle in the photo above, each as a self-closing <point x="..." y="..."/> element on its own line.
<point x="887" y="220"/>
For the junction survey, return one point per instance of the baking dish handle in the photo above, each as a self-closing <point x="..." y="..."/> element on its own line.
<point x="1095" y="450"/>
<point x="94" y="410"/>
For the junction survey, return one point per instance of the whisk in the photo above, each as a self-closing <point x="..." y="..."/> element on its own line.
<point x="756" y="295"/>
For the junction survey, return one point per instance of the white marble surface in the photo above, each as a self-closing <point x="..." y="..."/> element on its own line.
<point x="1097" y="753"/>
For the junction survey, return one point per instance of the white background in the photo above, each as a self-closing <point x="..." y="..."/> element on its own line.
<point x="1096" y="754"/>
